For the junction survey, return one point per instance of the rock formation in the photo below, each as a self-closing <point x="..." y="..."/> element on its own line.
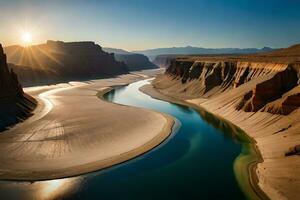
<point x="58" y="61"/>
<point x="213" y="77"/>
<point x="260" y="93"/>
<point x="163" y="61"/>
<point x="134" y="61"/>
<point x="15" y="105"/>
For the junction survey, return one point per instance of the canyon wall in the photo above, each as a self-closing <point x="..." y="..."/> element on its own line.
<point x="15" y="105"/>
<point x="135" y="62"/>
<point x="275" y="91"/>
<point x="262" y="98"/>
<point x="58" y="61"/>
<point x="163" y="61"/>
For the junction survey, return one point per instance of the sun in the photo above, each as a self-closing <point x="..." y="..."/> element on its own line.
<point x="26" y="38"/>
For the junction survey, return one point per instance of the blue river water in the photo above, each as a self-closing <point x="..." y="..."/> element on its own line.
<point x="195" y="162"/>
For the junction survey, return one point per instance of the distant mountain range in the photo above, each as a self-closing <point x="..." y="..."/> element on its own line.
<point x="189" y="50"/>
<point x="134" y="61"/>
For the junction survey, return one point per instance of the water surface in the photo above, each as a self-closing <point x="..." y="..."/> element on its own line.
<point x="196" y="162"/>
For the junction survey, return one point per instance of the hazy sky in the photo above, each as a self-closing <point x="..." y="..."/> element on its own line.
<point x="141" y="24"/>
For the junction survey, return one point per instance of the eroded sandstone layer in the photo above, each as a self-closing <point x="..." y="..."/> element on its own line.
<point x="260" y="96"/>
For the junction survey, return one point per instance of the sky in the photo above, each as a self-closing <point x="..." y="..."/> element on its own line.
<point x="147" y="24"/>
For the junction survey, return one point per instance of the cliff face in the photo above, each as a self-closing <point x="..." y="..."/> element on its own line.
<point x="134" y="61"/>
<point x="9" y="85"/>
<point x="207" y="79"/>
<point x="260" y="94"/>
<point x="59" y="61"/>
<point x="163" y="61"/>
<point x="15" y="105"/>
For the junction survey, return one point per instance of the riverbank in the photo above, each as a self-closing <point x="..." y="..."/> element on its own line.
<point x="181" y="164"/>
<point x="259" y="97"/>
<point x="74" y="132"/>
<point x="245" y="164"/>
<point x="272" y="173"/>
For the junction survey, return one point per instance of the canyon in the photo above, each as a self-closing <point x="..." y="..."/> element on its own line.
<point x="259" y="93"/>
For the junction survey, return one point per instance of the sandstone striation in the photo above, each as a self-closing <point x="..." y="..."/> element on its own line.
<point x="211" y="78"/>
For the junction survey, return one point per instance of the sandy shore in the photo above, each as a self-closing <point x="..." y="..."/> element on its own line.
<point x="74" y="132"/>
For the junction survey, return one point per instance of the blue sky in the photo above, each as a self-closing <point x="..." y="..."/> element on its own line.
<point x="143" y="24"/>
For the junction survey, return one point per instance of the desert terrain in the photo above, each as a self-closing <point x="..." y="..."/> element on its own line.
<point x="260" y="94"/>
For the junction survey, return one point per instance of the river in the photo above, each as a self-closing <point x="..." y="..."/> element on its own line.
<point x="195" y="162"/>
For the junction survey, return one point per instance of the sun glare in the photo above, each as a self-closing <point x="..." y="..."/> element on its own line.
<point x="26" y="38"/>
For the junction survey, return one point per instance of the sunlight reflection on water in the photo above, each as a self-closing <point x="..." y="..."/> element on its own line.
<point x="42" y="190"/>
